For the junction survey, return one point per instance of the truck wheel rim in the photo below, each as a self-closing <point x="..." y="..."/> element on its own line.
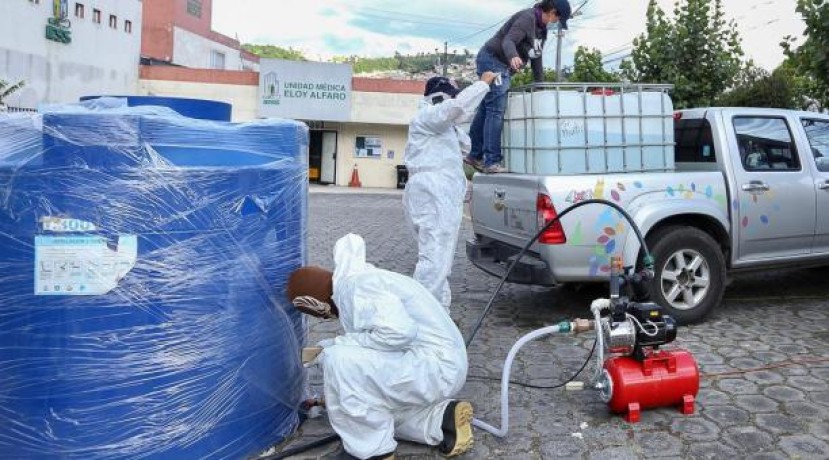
<point x="685" y="279"/>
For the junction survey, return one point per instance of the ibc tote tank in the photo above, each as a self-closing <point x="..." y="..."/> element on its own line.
<point x="588" y="128"/>
<point x="143" y="261"/>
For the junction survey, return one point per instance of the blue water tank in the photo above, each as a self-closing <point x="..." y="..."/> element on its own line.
<point x="203" y="109"/>
<point x="143" y="265"/>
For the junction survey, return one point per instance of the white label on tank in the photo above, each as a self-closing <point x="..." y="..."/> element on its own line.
<point x="81" y="265"/>
<point x="59" y="224"/>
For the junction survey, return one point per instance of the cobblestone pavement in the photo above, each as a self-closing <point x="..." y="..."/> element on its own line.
<point x="763" y="357"/>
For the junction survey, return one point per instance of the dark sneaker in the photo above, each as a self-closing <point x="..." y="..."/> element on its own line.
<point x="495" y="169"/>
<point x="477" y="165"/>
<point x="457" y="429"/>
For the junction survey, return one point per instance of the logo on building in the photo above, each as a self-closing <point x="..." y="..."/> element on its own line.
<point x="270" y="91"/>
<point x="57" y="27"/>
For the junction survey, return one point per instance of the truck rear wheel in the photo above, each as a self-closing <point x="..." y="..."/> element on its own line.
<point x="689" y="272"/>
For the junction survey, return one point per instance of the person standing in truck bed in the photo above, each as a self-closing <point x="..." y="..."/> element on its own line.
<point x="519" y="40"/>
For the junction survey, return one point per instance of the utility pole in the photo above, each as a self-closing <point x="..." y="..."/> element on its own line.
<point x="559" y="39"/>
<point x="445" y="57"/>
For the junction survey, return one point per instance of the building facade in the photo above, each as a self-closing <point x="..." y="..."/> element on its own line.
<point x="67" y="49"/>
<point x="64" y="50"/>
<point x="183" y="56"/>
<point x="180" y="33"/>
<point x="371" y="137"/>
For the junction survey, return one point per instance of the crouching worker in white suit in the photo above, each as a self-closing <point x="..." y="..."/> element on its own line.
<point x="394" y="372"/>
<point x="433" y="200"/>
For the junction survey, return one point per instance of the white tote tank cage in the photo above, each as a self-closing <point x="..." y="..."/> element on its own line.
<point x="588" y="128"/>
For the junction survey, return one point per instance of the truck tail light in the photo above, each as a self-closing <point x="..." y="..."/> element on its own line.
<point x="547" y="212"/>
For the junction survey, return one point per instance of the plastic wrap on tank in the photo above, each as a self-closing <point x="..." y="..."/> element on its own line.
<point x="143" y="264"/>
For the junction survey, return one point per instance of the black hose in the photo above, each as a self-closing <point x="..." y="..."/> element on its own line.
<point x="648" y="258"/>
<point x="303" y="448"/>
<point x="648" y="264"/>
<point x="541" y="387"/>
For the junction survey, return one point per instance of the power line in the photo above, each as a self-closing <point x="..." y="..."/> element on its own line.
<point x="423" y="16"/>
<point x="445" y="23"/>
<point x="618" y="58"/>
<point x="617" y="49"/>
<point x="586" y="27"/>
<point x="459" y="41"/>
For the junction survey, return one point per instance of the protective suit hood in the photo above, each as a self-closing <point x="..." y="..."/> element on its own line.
<point x="349" y="257"/>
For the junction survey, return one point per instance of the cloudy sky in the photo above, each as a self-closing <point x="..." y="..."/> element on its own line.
<point x="326" y="28"/>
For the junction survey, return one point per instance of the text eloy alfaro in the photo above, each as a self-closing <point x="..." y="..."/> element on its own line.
<point x="315" y="90"/>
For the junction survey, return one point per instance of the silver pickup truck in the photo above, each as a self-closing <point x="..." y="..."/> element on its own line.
<point x="749" y="189"/>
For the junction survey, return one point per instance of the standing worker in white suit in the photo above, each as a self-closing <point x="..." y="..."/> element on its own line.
<point x="433" y="200"/>
<point x="401" y="360"/>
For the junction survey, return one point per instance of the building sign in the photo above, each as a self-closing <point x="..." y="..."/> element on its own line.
<point x="304" y="90"/>
<point x="57" y="27"/>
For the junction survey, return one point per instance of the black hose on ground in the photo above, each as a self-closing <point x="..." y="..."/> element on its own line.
<point x="648" y="258"/>
<point x="648" y="264"/>
<point x="303" y="448"/>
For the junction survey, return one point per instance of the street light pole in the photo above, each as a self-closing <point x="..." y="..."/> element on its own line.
<point x="559" y="39"/>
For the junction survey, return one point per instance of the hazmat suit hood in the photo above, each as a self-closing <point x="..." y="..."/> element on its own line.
<point x="349" y="257"/>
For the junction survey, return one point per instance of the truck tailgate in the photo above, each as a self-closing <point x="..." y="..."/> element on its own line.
<point x="504" y="207"/>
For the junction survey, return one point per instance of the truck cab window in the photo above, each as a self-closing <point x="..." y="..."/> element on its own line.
<point x="817" y="131"/>
<point x="694" y="141"/>
<point x="765" y="144"/>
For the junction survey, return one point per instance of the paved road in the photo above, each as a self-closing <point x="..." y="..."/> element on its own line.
<point x="763" y="355"/>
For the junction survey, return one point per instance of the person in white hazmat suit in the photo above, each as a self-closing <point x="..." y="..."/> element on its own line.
<point x="395" y="370"/>
<point x="433" y="199"/>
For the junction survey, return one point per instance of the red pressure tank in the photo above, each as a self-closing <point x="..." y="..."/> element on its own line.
<point x="663" y="378"/>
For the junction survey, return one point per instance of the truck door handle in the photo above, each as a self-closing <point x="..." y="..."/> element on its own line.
<point x="500" y="194"/>
<point x="756" y="186"/>
<point x="823" y="186"/>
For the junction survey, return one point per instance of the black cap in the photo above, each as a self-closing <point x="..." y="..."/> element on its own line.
<point x="441" y="85"/>
<point x="564" y="12"/>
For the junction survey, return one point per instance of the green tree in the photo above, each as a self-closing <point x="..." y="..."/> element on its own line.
<point x="588" y="67"/>
<point x="368" y="65"/>
<point x="696" y="50"/>
<point x="6" y="90"/>
<point x="525" y="77"/>
<point x="811" y="58"/>
<point x="276" y="52"/>
<point x="756" y="87"/>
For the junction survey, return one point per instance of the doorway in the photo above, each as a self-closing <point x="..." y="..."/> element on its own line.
<point x="322" y="157"/>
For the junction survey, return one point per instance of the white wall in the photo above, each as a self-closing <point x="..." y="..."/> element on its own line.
<point x="385" y="108"/>
<point x="374" y="172"/>
<point x="99" y="60"/>
<point x="193" y="50"/>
